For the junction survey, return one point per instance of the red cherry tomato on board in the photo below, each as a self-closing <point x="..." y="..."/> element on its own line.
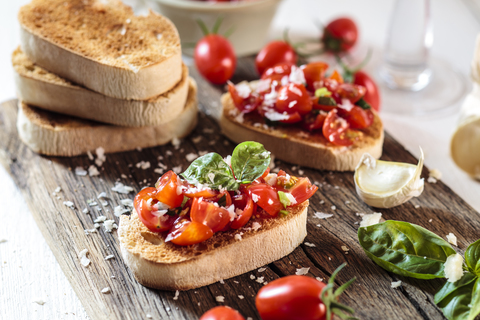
<point x="291" y="298"/>
<point x="335" y="129"/>
<point x="222" y="313"/>
<point x="372" y="96"/>
<point x="340" y="35"/>
<point x="293" y="98"/>
<point x="215" y="58"/>
<point x="274" y="53"/>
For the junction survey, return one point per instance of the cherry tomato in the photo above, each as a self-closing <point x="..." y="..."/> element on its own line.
<point x="340" y="35"/>
<point x="372" y="96"/>
<point x="167" y="190"/>
<point x="274" y="53"/>
<point x="266" y="197"/>
<point x="277" y="72"/>
<point x="317" y="106"/>
<point x="314" y="121"/>
<point x="291" y="298"/>
<point x="216" y="218"/>
<point x="351" y="92"/>
<point x="192" y="192"/>
<point x="336" y="76"/>
<point x="292" y="118"/>
<point x="314" y="73"/>
<point x="335" y="129"/>
<point x="267" y="171"/>
<point x="222" y="313"/>
<point x="245" y="215"/>
<point x="215" y="58"/>
<point x="244" y="104"/>
<point x="186" y="232"/>
<point x="303" y="190"/>
<point x="293" y="98"/>
<point x="150" y="218"/>
<point x="358" y="118"/>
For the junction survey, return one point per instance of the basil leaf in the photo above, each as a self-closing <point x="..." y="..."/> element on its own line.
<point x="363" y="104"/>
<point x="475" y="302"/>
<point x="472" y="258"/>
<point x="212" y="171"/>
<point x="455" y="299"/>
<point x="405" y="249"/>
<point x="327" y="101"/>
<point x="249" y="161"/>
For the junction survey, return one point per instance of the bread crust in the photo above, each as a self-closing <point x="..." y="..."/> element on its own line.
<point x="36" y="86"/>
<point x="297" y="146"/>
<point x="52" y="41"/>
<point x="165" y="266"/>
<point x="59" y="135"/>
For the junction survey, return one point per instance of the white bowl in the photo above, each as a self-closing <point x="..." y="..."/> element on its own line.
<point x="250" y="20"/>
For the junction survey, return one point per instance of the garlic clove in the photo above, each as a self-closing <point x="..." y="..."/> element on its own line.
<point x="387" y="184"/>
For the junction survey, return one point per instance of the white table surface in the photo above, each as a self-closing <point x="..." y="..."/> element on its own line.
<point x="28" y="269"/>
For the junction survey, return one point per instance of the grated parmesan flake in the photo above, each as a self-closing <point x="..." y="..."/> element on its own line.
<point x="453" y="267"/>
<point x="321" y="215"/>
<point x="144" y="165"/>
<point x="69" y="204"/>
<point x="84" y="261"/>
<point x="93" y="171"/>
<point x="261" y="269"/>
<point x="111" y="256"/>
<point x="3" y="240"/>
<point x="302" y="271"/>
<point x="220" y="298"/>
<point x="451" y="238"/>
<point x="106" y="290"/>
<point x="308" y="244"/>
<point x="177" y="293"/>
<point x="370" y="219"/>
<point x="191" y="156"/>
<point x="39" y="301"/>
<point x="396" y="284"/>
<point x="121" y="188"/>
<point x="241" y="297"/>
<point x="109" y="225"/>
<point x="79" y="171"/>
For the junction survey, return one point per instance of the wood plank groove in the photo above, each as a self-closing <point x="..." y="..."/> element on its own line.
<point x="440" y="210"/>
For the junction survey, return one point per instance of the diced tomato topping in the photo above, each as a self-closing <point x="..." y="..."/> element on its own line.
<point x="314" y="73"/>
<point x="292" y="118"/>
<point x="277" y="72"/>
<point x="167" y="190"/>
<point x="293" y="98"/>
<point x="318" y="106"/>
<point x="151" y="218"/>
<point x="303" y="190"/>
<point x="351" y="92"/>
<point x="266" y="197"/>
<point x="186" y="232"/>
<point x="244" y="216"/>
<point x="335" y="128"/>
<point x="336" y="76"/>
<point x="267" y="171"/>
<point x="209" y="214"/>
<point x="314" y="121"/>
<point x="359" y="118"/>
<point x="247" y="104"/>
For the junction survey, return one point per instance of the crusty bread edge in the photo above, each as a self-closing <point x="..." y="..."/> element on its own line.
<point x="68" y="142"/>
<point x="222" y="263"/>
<point x="297" y="151"/>
<point x="115" y="82"/>
<point x="83" y="103"/>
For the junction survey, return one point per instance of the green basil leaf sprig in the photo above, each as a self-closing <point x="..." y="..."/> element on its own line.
<point x="472" y="258"/>
<point x="405" y="249"/>
<point x="457" y="299"/>
<point x="249" y="161"/>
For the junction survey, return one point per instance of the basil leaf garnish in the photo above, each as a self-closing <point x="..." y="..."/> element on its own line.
<point x="405" y="249"/>
<point x="457" y="299"/>
<point x="212" y="171"/>
<point x="472" y="258"/>
<point x="249" y="161"/>
<point x="363" y="104"/>
<point x="327" y="101"/>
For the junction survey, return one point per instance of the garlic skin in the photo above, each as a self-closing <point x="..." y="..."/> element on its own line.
<point x="386" y="184"/>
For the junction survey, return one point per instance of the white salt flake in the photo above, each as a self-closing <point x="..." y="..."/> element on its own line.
<point x="220" y="298"/>
<point x="302" y="271"/>
<point x="451" y="238"/>
<point x="111" y="256"/>
<point x="334" y="208"/>
<point x="57" y="189"/>
<point x="321" y="215"/>
<point x="79" y="171"/>
<point x="149" y="316"/>
<point x="252" y="277"/>
<point x="261" y="269"/>
<point x="69" y="204"/>
<point x="84" y="261"/>
<point x="100" y="219"/>
<point x="121" y="188"/>
<point x="241" y="297"/>
<point x="105" y="290"/>
<point x="370" y="219"/>
<point x="144" y="165"/>
<point x="260" y="280"/>
<point x="396" y="284"/>
<point x="308" y="244"/>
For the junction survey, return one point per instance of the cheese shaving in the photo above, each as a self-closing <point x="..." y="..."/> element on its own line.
<point x="302" y="271"/>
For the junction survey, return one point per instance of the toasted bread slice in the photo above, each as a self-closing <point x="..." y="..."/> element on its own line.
<point x="294" y="145"/>
<point x="38" y="87"/>
<point x="166" y="266"/>
<point x="102" y="45"/>
<point x="59" y="135"/>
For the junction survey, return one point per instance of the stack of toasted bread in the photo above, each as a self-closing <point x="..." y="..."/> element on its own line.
<point x="89" y="74"/>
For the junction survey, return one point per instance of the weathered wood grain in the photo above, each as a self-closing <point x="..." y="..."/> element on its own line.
<point x="440" y="210"/>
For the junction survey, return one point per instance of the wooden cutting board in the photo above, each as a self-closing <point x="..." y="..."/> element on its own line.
<point x="438" y="209"/>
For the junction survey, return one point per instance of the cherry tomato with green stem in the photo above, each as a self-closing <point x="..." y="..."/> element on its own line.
<point x="274" y="53"/>
<point x="222" y="313"/>
<point x="340" y="35"/>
